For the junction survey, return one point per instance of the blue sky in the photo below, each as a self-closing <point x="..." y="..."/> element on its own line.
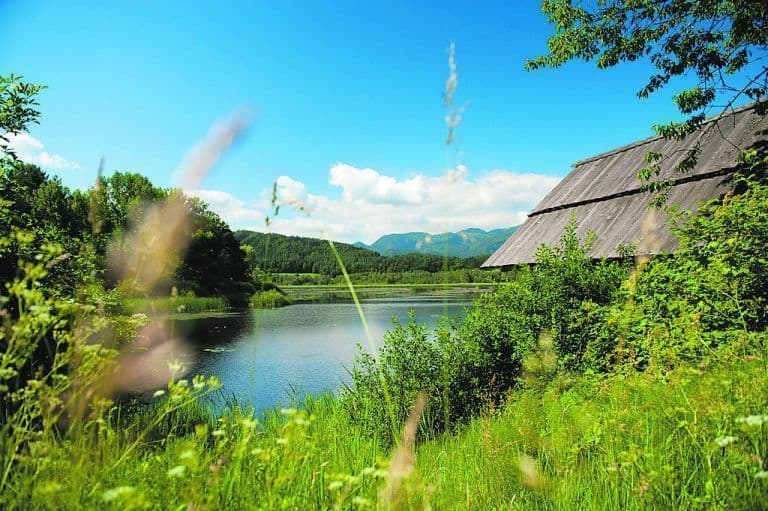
<point x="347" y="98"/>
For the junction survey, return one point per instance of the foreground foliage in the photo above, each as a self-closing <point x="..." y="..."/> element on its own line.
<point x="694" y="438"/>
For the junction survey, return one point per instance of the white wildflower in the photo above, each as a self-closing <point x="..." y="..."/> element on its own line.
<point x="725" y="441"/>
<point x="177" y="471"/>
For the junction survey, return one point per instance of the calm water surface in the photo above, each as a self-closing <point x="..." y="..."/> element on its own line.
<point x="265" y="357"/>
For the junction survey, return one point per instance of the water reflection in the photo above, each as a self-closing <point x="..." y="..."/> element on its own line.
<point x="264" y="357"/>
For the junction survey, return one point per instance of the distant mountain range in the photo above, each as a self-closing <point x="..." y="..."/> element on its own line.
<point x="466" y="243"/>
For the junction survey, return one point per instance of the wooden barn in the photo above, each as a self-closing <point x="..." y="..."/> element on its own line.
<point x="605" y="195"/>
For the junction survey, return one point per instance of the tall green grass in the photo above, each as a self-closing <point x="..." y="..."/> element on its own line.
<point x="175" y="304"/>
<point x="270" y="299"/>
<point x="633" y="441"/>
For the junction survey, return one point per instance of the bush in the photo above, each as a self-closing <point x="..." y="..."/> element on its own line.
<point x="710" y="292"/>
<point x="386" y="387"/>
<point x="270" y="299"/>
<point x="550" y="298"/>
<point x="467" y="367"/>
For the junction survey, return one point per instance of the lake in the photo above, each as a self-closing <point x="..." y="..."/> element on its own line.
<point x="264" y="357"/>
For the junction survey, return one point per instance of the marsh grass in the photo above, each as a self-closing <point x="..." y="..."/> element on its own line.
<point x="270" y="299"/>
<point x="174" y="305"/>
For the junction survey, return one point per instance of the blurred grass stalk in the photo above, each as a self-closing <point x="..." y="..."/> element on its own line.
<point x="157" y="244"/>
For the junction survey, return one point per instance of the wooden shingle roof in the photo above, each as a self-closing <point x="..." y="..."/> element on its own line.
<point x="605" y="195"/>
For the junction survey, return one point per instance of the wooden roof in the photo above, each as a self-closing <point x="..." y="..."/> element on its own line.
<point x="605" y="194"/>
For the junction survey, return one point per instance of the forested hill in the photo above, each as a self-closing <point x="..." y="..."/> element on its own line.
<point x="466" y="243"/>
<point x="295" y="254"/>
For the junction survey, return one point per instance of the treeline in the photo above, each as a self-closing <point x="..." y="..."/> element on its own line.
<point x="294" y="254"/>
<point x="464" y="276"/>
<point x="90" y="227"/>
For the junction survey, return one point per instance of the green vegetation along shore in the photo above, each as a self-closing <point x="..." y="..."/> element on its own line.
<point x="173" y="305"/>
<point x="342" y="292"/>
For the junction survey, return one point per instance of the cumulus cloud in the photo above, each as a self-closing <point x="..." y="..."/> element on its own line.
<point x="232" y="210"/>
<point x="372" y="187"/>
<point x="370" y="203"/>
<point x="30" y="150"/>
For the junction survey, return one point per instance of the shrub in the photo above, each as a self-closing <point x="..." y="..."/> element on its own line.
<point x="711" y="291"/>
<point x="467" y="367"/>
<point x="385" y="387"/>
<point x="270" y="299"/>
<point x="551" y="297"/>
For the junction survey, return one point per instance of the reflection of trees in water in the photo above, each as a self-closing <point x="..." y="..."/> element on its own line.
<point x="214" y="330"/>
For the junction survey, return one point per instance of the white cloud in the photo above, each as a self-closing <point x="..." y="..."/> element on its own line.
<point x="30" y="150"/>
<point x="375" y="188"/>
<point x="232" y="210"/>
<point x="371" y="204"/>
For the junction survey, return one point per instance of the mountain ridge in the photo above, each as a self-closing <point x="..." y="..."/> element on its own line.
<point x="468" y="242"/>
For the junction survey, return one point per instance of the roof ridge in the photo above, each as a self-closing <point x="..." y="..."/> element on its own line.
<point x="653" y="138"/>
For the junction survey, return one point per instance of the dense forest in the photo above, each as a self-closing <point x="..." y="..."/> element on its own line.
<point x="294" y="254"/>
